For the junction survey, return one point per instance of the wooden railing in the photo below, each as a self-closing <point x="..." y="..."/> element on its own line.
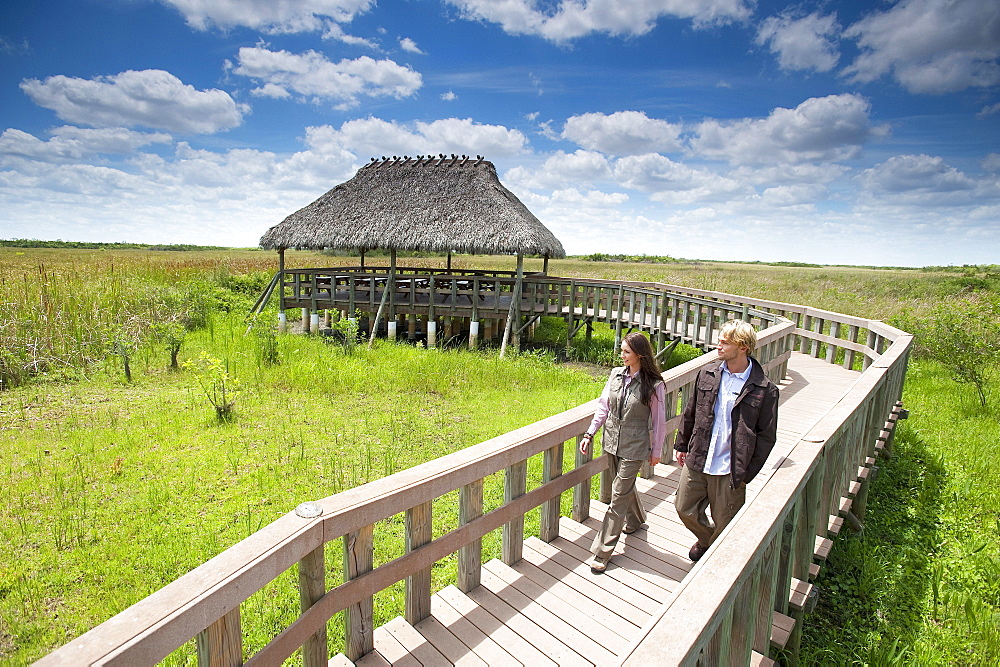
<point x="725" y="608"/>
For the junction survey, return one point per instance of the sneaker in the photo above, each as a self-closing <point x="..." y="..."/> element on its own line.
<point x="598" y="564"/>
<point x="628" y="530"/>
<point x="697" y="551"/>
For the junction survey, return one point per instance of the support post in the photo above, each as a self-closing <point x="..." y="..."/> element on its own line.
<point x="312" y="586"/>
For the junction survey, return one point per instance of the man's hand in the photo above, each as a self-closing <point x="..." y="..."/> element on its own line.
<point x="585" y="444"/>
<point x="681" y="456"/>
<point x="653" y="460"/>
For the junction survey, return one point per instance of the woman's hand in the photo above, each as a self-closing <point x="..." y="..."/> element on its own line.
<point x="653" y="460"/>
<point x="585" y="443"/>
<point x="680" y="458"/>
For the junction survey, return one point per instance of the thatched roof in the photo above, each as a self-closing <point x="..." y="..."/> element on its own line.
<point x="435" y="204"/>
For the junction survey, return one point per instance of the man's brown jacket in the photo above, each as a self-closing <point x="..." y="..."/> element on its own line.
<point x="755" y="422"/>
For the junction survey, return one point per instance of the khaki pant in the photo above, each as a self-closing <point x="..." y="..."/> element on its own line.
<point x="697" y="492"/>
<point x="625" y="508"/>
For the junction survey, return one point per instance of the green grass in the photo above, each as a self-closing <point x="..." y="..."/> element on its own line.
<point x="921" y="584"/>
<point x="113" y="489"/>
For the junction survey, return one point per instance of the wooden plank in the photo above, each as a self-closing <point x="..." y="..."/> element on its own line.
<point x="798" y="594"/>
<point x="641" y="564"/>
<point x="340" y="660"/>
<point x="524" y="627"/>
<point x="616" y="576"/>
<point x="823" y="546"/>
<point x="414" y="643"/>
<point x="390" y="649"/>
<point x="573" y="587"/>
<point x="529" y="600"/>
<point x="373" y="659"/>
<point x="758" y="660"/>
<point x="781" y="630"/>
<point x="576" y="573"/>
<point x="441" y="638"/>
<point x="604" y="626"/>
<point x="458" y="613"/>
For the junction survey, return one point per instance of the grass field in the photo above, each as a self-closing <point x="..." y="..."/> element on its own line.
<point x="114" y="488"/>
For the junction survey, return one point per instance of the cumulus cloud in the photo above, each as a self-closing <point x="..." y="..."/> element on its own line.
<point x="311" y="75"/>
<point x="562" y="170"/>
<point x="375" y="137"/>
<point x="801" y="43"/>
<point x="410" y="46"/>
<point x="268" y="15"/>
<point x="991" y="162"/>
<point x="673" y="182"/>
<point x="622" y="133"/>
<point x="149" y="98"/>
<point x="925" y="180"/>
<point x="571" y="19"/>
<point x="819" y="129"/>
<point x="74" y="143"/>
<point x="930" y="46"/>
<point x="450" y="96"/>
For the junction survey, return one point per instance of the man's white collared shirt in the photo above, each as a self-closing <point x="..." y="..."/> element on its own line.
<point x="719" y="459"/>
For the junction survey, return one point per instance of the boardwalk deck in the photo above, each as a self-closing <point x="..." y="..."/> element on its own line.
<point x="550" y="608"/>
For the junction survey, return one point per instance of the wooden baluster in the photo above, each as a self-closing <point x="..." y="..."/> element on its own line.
<point x="581" y="492"/>
<point x="849" y="354"/>
<point x="512" y="536"/>
<point x="831" y="350"/>
<point x="221" y="644"/>
<point x="470" y="557"/>
<point x="312" y="586"/>
<point x="418" y="585"/>
<point x="551" y="469"/>
<point x="358" y="559"/>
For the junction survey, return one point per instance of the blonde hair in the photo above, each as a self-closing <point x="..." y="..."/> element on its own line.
<point x="740" y="332"/>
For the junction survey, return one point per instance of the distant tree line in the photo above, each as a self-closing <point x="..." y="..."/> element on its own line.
<point x="88" y="245"/>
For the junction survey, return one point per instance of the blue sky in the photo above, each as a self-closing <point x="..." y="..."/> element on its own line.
<point x="827" y="132"/>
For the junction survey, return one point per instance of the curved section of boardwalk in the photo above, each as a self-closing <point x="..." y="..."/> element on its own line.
<point x="550" y="609"/>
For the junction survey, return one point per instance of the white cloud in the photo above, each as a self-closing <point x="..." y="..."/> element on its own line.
<point x="801" y="43"/>
<point x="672" y="182"/>
<point x="991" y="162"/>
<point x="150" y="98"/>
<point x="988" y="110"/>
<point x="74" y="143"/>
<point x="918" y="179"/>
<point x="930" y="46"/>
<point x="269" y="15"/>
<point x="450" y="96"/>
<point x="622" y="133"/>
<point x="562" y="170"/>
<point x="571" y="19"/>
<point x="312" y="75"/>
<point x="410" y="46"/>
<point x="374" y="137"/>
<point x="819" y="129"/>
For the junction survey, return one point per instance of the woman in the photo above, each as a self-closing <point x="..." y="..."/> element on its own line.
<point x="631" y="411"/>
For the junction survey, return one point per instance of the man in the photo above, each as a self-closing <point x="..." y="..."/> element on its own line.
<point x="728" y="430"/>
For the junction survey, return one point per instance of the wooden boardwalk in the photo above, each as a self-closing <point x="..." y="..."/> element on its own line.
<point x="550" y="609"/>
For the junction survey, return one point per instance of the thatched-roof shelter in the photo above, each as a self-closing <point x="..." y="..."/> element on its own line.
<point x="430" y="204"/>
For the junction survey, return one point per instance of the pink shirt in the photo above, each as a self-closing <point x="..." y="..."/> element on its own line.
<point x="656" y="403"/>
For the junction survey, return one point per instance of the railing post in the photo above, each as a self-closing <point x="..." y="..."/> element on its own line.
<point x="512" y="537"/>
<point x="470" y="557"/>
<point x="221" y="644"/>
<point x="551" y="469"/>
<point x="418" y="585"/>
<point x="358" y="559"/>
<point x="581" y="492"/>
<point x="312" y="586"/>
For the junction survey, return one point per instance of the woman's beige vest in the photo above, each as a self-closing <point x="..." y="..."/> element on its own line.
<point x="627" y="428"/>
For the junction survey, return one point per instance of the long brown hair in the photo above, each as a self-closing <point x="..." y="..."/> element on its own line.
<point x="649" y="370"/>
